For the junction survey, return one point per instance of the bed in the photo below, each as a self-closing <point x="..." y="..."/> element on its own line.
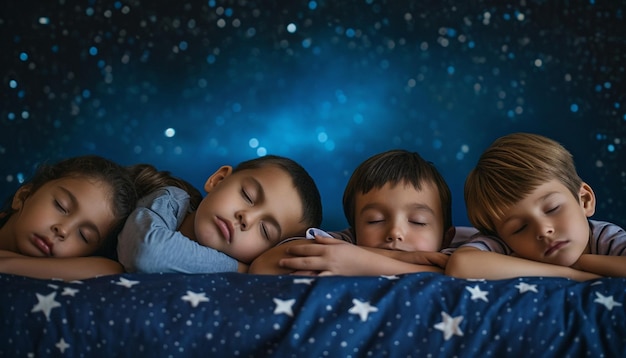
<point x="225" y="315"/>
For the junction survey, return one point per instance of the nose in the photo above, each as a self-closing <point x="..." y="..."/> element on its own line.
<point x="544" y="231"/>
<point x="246" y="219"/>
<point x="395" y="234"/>
<point x="59" y="231"/>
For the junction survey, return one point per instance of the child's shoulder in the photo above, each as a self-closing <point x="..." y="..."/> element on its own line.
<point x="165" y="194"/>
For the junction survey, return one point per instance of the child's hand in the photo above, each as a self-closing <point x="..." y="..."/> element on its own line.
<point x="325" y="256"/>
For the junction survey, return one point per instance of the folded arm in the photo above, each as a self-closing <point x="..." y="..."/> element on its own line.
<point x="150" y="240"/>
<point x="613" y="266"/>
<point x="470" y="262"/>
<point x="66" y="268"/>
<point x="336" y="257"/>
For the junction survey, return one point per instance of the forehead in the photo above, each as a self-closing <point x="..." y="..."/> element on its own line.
<point x="400" y="195"/>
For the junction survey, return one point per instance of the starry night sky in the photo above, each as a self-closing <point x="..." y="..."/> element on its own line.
<point x="190" y="86"/>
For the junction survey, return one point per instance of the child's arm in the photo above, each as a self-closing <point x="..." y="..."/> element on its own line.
<point x="471" y="262"/>
<point x="66" y="268"/>
<point x="336" y="257"/>
<point x="150" y="242"/>
<point x="614" y="266"/>
<point x="413" y="257"/>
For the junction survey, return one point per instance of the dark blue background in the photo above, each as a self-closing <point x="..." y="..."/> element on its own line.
<point x="328" y="83"/>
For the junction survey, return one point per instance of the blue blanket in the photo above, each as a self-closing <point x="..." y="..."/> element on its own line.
<point x="414" y="315"/>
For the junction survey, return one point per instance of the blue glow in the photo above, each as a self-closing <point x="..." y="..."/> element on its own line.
<point x="86" y="93"/>
<point x="312" y="5"/>
<point x="11" y="116"/>
<point x="573" y="107"/>
<point x="170" y="132"/>
<point x="437" y="144"/>
<point x="183" y="45"/>
<point x="610" y="148"/>
<point x="12" y="84"/>
<point x="306" y="43"/>
<point x="291" y="28"/>
<point x="20" y="178"/>
<point x="350" y="32"/>
<point x="44" y="20"/>
<point x="450" y="70"/>
<point x="24" y="56"/>
<point x="93" y="50"/>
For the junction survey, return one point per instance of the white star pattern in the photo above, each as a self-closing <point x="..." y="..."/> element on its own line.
<point x="449" y="326"/>
<point x="195" y="298"/>
<point x="524" y="287"/>
<point x="46" y="304"/>
<point x="362" y="308"/>
<point x="126" y="283"/>
<point x="606" y="301"/>
<point x="284" y="306"/>
<point x="62" y="345"/>
<point x="306" y="281"/>
<point x="477" y="294"/>
<point x="68" y="291"/>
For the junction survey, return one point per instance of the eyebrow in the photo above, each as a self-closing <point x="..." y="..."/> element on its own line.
<point x="75" y="203"/>
<point x="261" y="196"/>
<point x="412" y="206"/>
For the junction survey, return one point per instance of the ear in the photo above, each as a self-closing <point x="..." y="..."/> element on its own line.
<point x="217" y="177"/>
<point x="587" y="199"/>
<point x="448" y="236"/>
<point x="20" y="197"/>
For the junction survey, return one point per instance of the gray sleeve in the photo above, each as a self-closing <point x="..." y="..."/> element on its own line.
<point x="150" y="242"/>
<point x="607" y="239"/>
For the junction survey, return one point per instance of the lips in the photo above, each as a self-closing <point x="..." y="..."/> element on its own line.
<point x="44" y="245"/>
<point x="225" y="228"/>
<point x="555" y="247"/>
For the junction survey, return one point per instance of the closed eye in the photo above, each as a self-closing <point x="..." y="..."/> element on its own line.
<point x="60" y="207"/>
<point x="270" y="232"/>
<point x="519" y="230"/>
<point x="553" y="209"/>
<point x="417" y="223"/>
<point x="246" y="196"/>
<point x="83" y="236"/>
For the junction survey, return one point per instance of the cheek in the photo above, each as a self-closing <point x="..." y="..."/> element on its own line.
<point x="367" y="237"/>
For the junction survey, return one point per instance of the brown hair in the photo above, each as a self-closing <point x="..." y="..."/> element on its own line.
<point x="148" y="179"/>
<point x="512" y="167"/>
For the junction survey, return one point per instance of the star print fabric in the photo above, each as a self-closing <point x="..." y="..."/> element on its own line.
<point x="411" y="315"/>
